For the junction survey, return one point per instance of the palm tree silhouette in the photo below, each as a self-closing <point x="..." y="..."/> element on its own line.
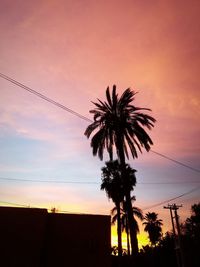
<point x="137" y="212"/>
<point x="113" y="185"/>
<point x="153" y="226"/>
<point x="191" y="226"/>
<point x="117" y="123"/>
<point x="195" y="217"/>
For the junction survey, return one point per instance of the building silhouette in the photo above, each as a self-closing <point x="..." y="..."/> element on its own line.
<point x="32" y="237"/>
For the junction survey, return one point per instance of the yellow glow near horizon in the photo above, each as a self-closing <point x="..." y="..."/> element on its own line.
<point x="142" y="238"/>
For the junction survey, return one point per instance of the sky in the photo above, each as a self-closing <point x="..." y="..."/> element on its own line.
<point x="70" y="51"/>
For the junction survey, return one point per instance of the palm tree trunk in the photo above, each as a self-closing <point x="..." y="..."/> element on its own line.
<point x="133" y="233"/>
<point x="119" y="231"/>
<point x="127" y="236"/>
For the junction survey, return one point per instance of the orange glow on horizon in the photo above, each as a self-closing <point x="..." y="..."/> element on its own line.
<point x="142" y="238"/>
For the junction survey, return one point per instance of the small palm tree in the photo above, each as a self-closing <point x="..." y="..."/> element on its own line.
<point x="137" y="212"/>
<point x="113" y="185"/>
<point x="191" y="226"/>
<point x="117" y="123"/>
<point x="153" y="226"/>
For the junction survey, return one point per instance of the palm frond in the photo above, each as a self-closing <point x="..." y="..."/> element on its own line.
<point x="91" y="128"/>
<point x="114" y="98"/>
<point x="108" y="97"/>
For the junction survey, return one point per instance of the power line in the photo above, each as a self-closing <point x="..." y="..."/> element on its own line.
<point x="149" y="207"/>
<point x="168" y="183"/>
<point x="44" y="97"/>
<point x="87" y="182"/>
<point x="172" y="199"/>
<point x="78" y="114"/>
<point x="34" y="207"/>
<point x="176" y="161"/>
<point x="46" y="181"/>
<point x="14" y="204"/>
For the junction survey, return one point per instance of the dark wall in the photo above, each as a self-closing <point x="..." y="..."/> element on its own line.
<point x="21" y="236"/>
<point x="34" y="238"/>
<point x="83" y="240"/>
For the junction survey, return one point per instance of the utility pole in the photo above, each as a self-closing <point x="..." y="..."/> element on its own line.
<point x="177" y="233"/>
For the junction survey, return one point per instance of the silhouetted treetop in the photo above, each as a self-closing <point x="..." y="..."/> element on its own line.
<point x="118" y="122"/>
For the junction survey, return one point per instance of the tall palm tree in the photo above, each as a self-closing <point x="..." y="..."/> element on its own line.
<point x="117" y="123"/>
<point x="153" y="226"/>
<point x="112" y="184"/>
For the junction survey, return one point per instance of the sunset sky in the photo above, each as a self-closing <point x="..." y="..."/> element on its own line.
<point x="70" y="51"/>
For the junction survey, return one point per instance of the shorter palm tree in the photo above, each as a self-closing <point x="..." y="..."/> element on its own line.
<point x="113" y="186"/>
<point x="124" y="220"/>
<point x="153" y="226"/>
<point x="191" y="226"/>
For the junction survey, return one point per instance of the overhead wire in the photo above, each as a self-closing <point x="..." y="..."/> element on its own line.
<point x="175" y="161"/>
<point x="75" y="182"/>
<point x="146" y="208"/>
<point x="92" y="183"/>
<point x="44" y="97"/>
<point x="14" y="204"/>
<point x="172" y="199"/>
<point x="35" y="207"/>
<point x="46" y="181"/>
